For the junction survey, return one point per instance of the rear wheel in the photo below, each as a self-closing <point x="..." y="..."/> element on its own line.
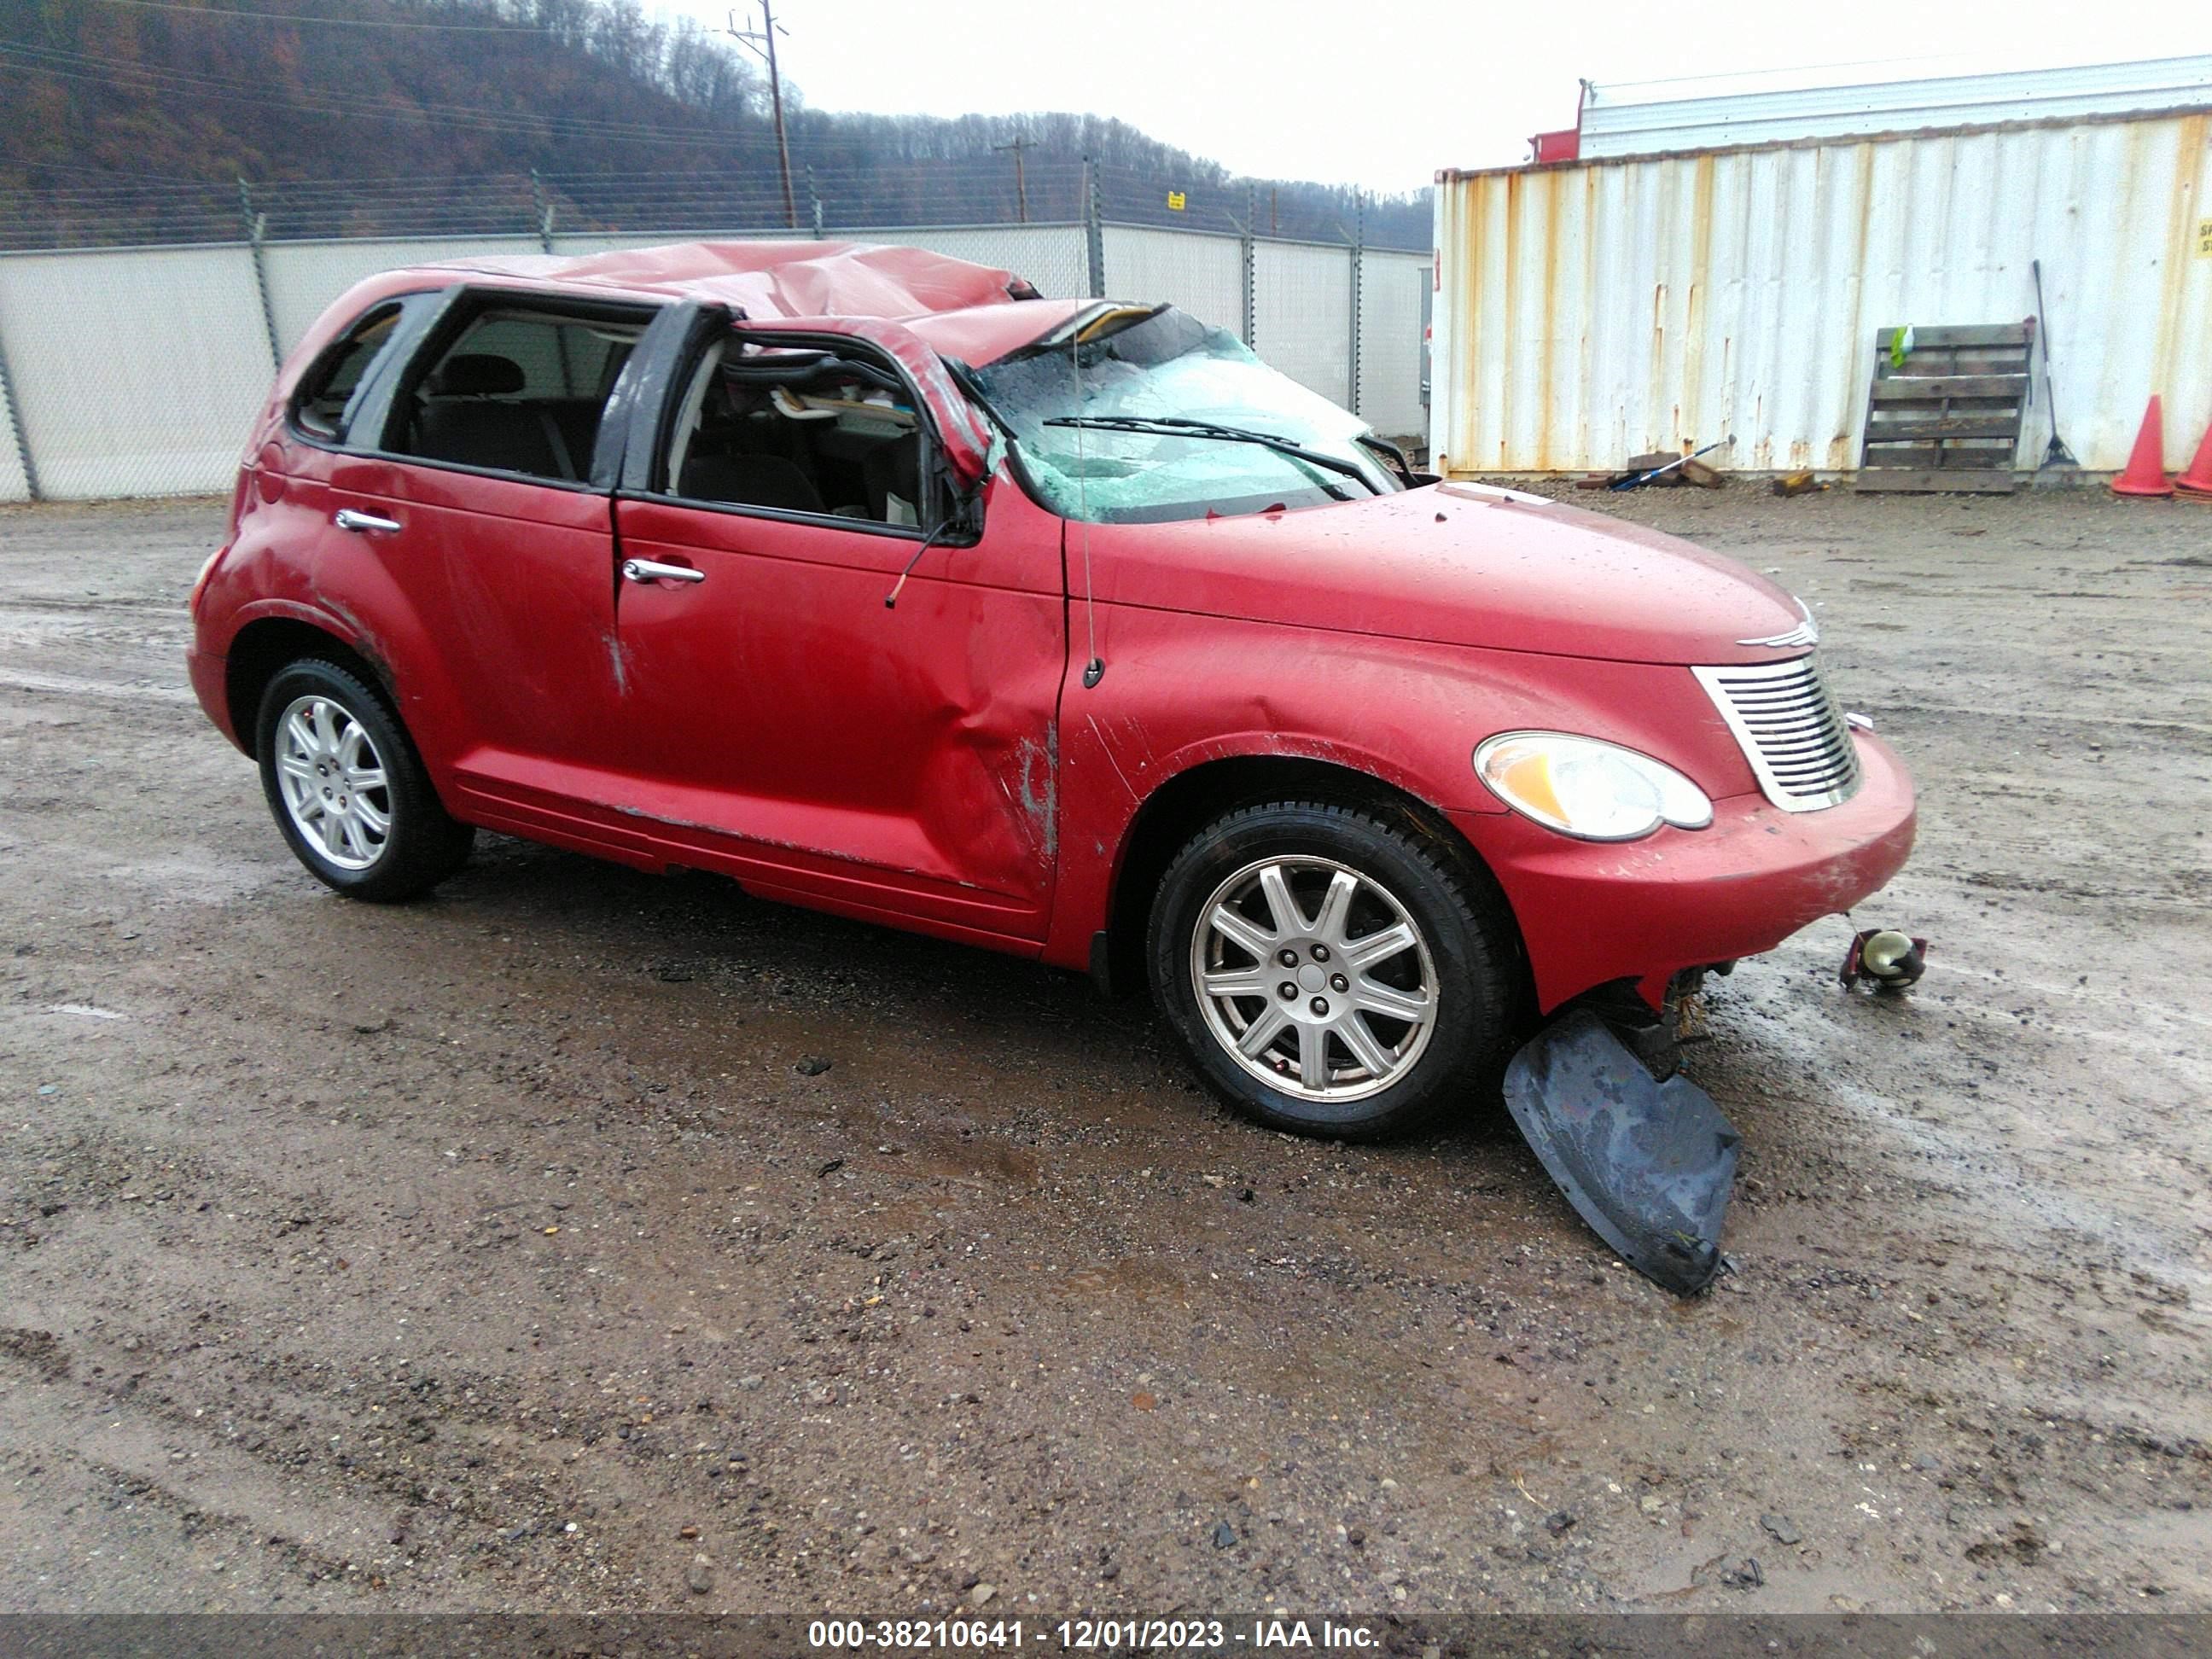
<point x="1330" y="974"/>
<point x="347" y="790"/>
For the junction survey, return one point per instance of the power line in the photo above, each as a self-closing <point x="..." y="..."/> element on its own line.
<point x="474" y="117"/>
<point x="466" y="116"/>
<point x="328" y="22"/>
<point x="99" y="69"/>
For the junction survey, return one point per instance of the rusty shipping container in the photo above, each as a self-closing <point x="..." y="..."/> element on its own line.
<point x="1594" y="310"/>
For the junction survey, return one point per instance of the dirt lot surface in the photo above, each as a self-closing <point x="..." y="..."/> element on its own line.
<point x="500" y="1250"/>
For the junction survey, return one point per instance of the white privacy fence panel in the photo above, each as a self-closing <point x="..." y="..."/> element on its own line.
<point x="1050" y="256"/>
<point x="304" y="278"/>
<point x="1203" y="274"/>
<point x="138" y="371"/>
<point x="135" y="373"/>
<point x="1391" y="288"/>
<point x="1301" y="314"/>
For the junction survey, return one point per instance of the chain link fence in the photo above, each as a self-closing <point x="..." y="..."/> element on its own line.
<point x="129" y="371"/>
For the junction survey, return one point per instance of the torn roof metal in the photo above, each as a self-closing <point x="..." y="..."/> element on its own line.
<point x="777" y="279"/>
<point x="983" y="334"/>
<point x="977" y="313"/>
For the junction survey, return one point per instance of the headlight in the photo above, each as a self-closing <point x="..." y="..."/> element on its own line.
<point x="1590" y="790"/>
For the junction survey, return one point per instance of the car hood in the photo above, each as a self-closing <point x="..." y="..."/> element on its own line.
<point x="1459" y="564"/>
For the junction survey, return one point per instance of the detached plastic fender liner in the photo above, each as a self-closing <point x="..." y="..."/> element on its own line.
<point x="1649" y="1165"/>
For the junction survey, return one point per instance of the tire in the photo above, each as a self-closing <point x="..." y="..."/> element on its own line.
<point x="1339" y="1063"/>
<point x="347" y="790"/>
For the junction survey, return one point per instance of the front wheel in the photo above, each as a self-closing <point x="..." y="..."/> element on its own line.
<point x="348" y="789"/>
<point x="1329" y="973"/>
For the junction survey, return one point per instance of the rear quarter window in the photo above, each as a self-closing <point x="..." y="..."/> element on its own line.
<point x="323" y="404"/>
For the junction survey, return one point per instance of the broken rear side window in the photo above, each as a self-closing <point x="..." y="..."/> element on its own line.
<point x="319" y="407"/>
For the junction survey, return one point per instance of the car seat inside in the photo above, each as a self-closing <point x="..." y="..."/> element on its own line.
<point x="519" y="392"/>
<point x="814" y="433"/>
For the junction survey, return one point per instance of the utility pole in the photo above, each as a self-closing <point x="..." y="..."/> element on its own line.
<point x="1021" y="142"/>
<point x="762" y="41"/>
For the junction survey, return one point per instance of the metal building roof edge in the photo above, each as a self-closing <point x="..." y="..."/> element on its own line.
<point x="1455" y="175"/>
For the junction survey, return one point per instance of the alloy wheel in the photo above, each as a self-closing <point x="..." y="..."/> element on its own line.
<point x="1313" y="978"/>
<point x="334" y="783"/>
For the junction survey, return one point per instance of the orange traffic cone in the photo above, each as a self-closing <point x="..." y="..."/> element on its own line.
<point x="2146" y="470"/>
<point x="2198" y="481"/>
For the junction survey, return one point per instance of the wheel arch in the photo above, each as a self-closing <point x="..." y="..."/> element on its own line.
<point x="1175" y="811"/>
<point x="264" y="648"/>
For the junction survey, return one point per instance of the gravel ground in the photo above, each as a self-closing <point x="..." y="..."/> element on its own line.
<point x="509" y="1250"/>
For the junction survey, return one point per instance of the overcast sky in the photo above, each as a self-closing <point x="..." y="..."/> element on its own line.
<point x="1381" y="95"/>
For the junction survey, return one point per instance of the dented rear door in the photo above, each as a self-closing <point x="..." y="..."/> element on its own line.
<point x="480" y="596"/>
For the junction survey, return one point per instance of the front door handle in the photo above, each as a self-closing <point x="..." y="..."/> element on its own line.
<point x="649" y="570"/>
<point x="352" y="518"/>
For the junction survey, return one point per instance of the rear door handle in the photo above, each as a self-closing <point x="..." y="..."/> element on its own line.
<point x="352" y="518"/>
<point x="649" y="570"/>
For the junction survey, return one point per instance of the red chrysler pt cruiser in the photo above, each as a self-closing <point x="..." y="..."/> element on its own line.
<point x="876" y="583"/>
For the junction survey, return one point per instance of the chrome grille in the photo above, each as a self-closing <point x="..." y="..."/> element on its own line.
<point x="1791" y="730"/>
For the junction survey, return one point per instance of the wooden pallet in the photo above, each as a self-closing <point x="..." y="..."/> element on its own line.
<point x="1948" y="417"/>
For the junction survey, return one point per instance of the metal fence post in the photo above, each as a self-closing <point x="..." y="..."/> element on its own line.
<point x="1247" y="256"/>
<point x="1094" y="231"/>
<point x="1359" y="285"/>
<point x="544" y="206"/>
<point x="256" y="224"/>
<point x="16" y="429"/>
<point x="814" y="197"/>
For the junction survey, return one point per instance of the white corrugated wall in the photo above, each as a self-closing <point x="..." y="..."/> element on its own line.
<point x="1391" y="287"/>
<point x="1590" y="311"/>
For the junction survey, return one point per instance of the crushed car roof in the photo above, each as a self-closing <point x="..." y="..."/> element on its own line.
<point x="974" y="311"/>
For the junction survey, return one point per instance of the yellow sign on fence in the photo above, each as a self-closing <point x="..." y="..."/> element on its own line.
<point x="2204" y="239"/>
<point x="1176" y="202"/>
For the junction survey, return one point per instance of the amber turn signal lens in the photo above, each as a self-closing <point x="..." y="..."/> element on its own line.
<point x="1587" y="789"/>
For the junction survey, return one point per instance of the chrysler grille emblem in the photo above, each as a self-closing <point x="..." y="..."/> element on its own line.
<point x="1806" y="632"/>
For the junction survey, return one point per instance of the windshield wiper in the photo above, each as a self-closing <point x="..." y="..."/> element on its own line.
<point x="1177" y="426"/>
<point x="1390" y="452"/>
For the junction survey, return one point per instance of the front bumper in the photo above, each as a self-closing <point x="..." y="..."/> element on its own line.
<point x="1592" y="913"/>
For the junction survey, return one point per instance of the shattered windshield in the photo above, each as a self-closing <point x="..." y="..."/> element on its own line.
<point x="1166" y="418"/>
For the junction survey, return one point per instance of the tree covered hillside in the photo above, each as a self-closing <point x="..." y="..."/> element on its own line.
<point x="134" y="120"/>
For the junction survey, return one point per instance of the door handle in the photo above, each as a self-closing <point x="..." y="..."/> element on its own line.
<point x="352" y="518"/>
<point x="648" y="570"/>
